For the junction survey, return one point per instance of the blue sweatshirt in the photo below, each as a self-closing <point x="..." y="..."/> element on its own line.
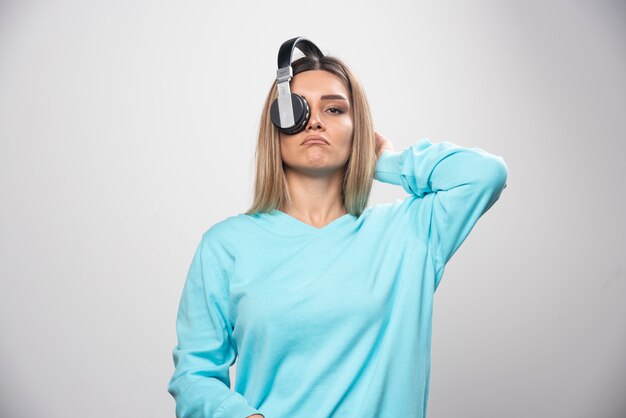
<point x="332" y="321"/>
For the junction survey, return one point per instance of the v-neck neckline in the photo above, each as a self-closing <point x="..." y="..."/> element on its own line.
<point x="310" y="228"/>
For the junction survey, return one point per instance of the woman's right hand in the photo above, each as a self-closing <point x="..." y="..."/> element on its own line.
<point x="382" y="143"/>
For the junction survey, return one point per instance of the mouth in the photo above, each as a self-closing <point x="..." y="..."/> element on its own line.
<point x="315" y="139"/>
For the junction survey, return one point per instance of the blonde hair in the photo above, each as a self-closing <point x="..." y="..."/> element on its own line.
<point x="271" y="191"/>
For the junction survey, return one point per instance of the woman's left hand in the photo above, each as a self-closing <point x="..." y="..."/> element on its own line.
<point x="382" y="143"/>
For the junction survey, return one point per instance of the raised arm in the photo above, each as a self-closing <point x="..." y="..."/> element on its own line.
<point x="451" y="188"/>
<point x="201" y="383"/>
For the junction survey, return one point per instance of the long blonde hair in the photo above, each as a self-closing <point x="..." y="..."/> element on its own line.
<point x="271" y="191"/>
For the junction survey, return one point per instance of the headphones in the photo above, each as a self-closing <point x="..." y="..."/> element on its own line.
<point x="290" y="111"/>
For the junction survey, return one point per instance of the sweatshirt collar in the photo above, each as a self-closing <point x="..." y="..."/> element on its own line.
<point x="282" y="221"/>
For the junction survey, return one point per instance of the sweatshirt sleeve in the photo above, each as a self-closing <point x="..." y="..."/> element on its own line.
<point x="451" y="188"/>
<point x="200" y="384"/>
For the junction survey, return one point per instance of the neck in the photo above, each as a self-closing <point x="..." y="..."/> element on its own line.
<point x="314" y="199"/>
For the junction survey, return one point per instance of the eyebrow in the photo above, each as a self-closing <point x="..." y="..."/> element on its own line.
<point x="332" y="97"/>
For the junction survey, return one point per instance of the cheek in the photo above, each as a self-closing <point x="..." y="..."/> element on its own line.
<point x="285" y="141"/>
<point x="289" y="146"/>
<point x="348" y="131"/>
<point x="283" y="148"/>
<point x="345" y="127"/>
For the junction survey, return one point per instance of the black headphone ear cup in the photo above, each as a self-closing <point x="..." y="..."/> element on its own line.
<point x="300" y="114"/>
<point x="274" y="114"/>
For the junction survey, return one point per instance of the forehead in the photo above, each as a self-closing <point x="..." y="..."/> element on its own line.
<point x="315" y="83"/>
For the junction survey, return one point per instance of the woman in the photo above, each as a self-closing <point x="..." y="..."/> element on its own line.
<point x="325" y="303"/>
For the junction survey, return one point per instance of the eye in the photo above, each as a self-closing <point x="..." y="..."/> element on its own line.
<point x="335" y="110"/>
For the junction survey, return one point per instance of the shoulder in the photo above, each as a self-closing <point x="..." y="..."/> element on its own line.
<point x="222" y="241"/>
<point x="225" y="229"/>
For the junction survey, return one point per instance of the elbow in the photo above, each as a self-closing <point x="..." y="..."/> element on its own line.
<point x="485" y="170"/>
<point x="495" y="180"/>
<point x="499" y="173"/>
<point x="492" y="172"/>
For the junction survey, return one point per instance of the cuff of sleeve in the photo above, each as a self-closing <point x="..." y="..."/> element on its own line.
<point x="388" y="167"/>
<point x="235" y="406"/>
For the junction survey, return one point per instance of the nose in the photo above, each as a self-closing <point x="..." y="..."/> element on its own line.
<point x="315" y="122"/>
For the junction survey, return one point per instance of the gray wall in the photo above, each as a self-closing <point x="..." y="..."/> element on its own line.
<point x="127" y="128"/>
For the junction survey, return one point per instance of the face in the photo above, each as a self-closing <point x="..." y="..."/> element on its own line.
<point x="331" y="119"/>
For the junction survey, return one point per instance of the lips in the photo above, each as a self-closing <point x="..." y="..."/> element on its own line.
<point x="314" y="139"/>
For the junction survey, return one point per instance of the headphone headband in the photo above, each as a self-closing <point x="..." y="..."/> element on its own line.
<point x="285" y="53"/>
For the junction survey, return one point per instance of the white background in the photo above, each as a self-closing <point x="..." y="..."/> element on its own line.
<point x="127" y="128"/>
